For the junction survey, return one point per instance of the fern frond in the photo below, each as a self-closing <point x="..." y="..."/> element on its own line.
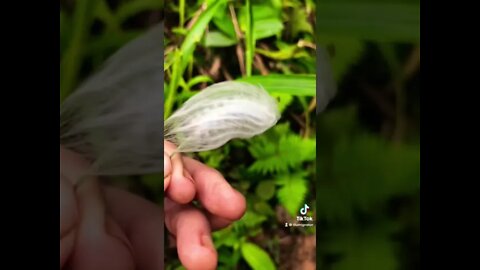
<point x="292" y="191"/>
<point x="277" y="153"/>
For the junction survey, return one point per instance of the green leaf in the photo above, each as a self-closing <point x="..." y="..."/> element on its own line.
<point x="224" y="23"/>
<point x="199" y="79"/>
<point x="299" y="22"/>
<point x="256" y="257"/>
<point x="213" y="158"/>
<point x="347" y="53"/>
<point x="292" y="191"/>
<point x="252" y="219"/>
<point x="104" y="13"/>
<point x="276" y="3"/>
<point x="279" y="152"/>
<point x="180" y="30"/>
<point x="185" y="53"/>
<point x="299" y="84"/>
<point x="219" y="39"/>
<point x="362" y="172"/>
<point x="71" y="61"/>
<point x="263" y="208"/>
<point x="337" y="124"/>
<point x="196" y="32"/>
<point x="265" y="190"/>
<point x="268" y="27"/>
<point x="289" y="52"/>
<point x="266" y="21"/>
<point x="283" y="100"/>
<point x="362" y="250"/>
<point x="393" y="22"/>
<point x="225" y="237"/>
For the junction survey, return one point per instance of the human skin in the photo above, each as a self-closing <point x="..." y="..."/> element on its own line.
<point x="104" y="227"/>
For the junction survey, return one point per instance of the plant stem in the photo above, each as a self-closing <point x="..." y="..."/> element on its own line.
<point x="388" y="51"/>
<point x="71" y="62"/>
<point x="174" y="81"/>
<point x="249" y="40"/>
<point x="305" y="106"/>
<point x="182" y="12"/>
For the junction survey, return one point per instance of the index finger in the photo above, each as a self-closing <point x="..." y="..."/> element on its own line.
<point x="180" y="188"/>
<point x="214" y="192"/>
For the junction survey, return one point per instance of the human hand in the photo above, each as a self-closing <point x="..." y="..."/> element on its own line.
<point x="108" y="228"/>
<point x="184" y="180"/>
<point x="104" y="227"/>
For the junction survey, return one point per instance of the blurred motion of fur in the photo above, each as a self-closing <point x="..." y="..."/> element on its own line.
<point x="326" y="87"/>
<point x="115" y="119"/>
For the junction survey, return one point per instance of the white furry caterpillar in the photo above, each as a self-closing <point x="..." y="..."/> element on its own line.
<point x="219" y="113"/>
<point x="114" y="119"/>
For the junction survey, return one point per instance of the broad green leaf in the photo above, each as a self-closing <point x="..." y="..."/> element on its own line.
<point x="218" y="39"/>
<point x="266" y="189"/>
<point x="299" y="22"/>
<point x="256" y="257"/>
<point x="223" y="22"/>
<point x="262" y="11"/>
<point x="266" y="21"/>
<point x="267" y="27"/>
<point x="299" y="85"/>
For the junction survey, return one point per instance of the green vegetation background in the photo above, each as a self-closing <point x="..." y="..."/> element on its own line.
<point x="366" y="199"/>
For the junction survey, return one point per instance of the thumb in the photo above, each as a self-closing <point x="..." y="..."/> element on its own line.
<point x="167" y="170"/>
